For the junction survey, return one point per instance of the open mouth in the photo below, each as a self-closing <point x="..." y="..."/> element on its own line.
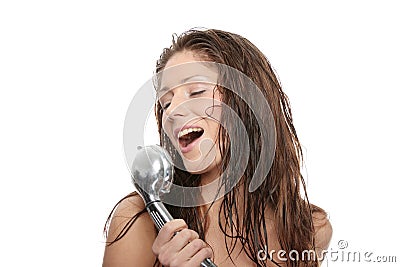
<point x="189" y="135"/>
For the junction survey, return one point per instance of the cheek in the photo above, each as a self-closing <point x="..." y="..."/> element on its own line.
<point x="211" y="108"/>
<point x="167" y="127"/>
<point x="214" y="128"/>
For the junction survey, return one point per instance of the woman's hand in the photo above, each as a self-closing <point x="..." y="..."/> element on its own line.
<point x="181" y="249"/>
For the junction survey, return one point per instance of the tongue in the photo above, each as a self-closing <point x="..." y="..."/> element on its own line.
<point x="189" y="138"/>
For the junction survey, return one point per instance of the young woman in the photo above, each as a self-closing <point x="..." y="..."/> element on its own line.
<point x="241" y="228"/>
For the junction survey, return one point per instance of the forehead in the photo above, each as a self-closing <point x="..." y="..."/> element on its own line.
<point x="185" y="68"/>
<point x="181" y="58"/>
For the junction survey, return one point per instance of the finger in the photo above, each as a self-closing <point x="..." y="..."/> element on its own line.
<point x="166" y="233"/>
<point x="183" y="238"/>
<point x="178" y="242"/>
<point x="200" y="256"/>
<point x="169" y="253"/>
<point x="191" y="249"/>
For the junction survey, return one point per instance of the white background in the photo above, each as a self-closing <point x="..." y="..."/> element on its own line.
<point x="69" y="69"/>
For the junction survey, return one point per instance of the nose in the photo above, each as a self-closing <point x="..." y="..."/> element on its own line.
<point x="177" y="107"/>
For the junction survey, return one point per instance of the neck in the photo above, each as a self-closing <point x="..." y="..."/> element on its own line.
<point x="209" y="177"/>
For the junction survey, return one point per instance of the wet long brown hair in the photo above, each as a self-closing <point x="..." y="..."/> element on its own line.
<point x="281" y="190"/>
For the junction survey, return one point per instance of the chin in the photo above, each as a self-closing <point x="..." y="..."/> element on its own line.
<point x="202" y="158"/>
<point x="208" y="165"/>
<point x="197" y="166"/>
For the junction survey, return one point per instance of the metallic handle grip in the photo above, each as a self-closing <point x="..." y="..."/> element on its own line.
<point x="207" y="263"/>
<point x="160" y="215"/>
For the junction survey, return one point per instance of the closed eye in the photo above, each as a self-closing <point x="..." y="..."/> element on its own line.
<point x="197" y="93"/>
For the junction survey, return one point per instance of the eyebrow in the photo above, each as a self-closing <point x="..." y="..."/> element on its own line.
<point x="195" y="78"/>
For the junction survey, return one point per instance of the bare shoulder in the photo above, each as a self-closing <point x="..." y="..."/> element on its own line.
<point x="323" y="228"/>
<point x="134" y="247"/>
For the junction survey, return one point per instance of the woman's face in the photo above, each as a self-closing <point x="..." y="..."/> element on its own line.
<point x="192" y="111"/>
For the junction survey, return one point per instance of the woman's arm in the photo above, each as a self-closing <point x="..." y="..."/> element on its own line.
<point x="135" y="248"/>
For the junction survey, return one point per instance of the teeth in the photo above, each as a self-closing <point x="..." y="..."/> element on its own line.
<point x="188" y="130"/>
